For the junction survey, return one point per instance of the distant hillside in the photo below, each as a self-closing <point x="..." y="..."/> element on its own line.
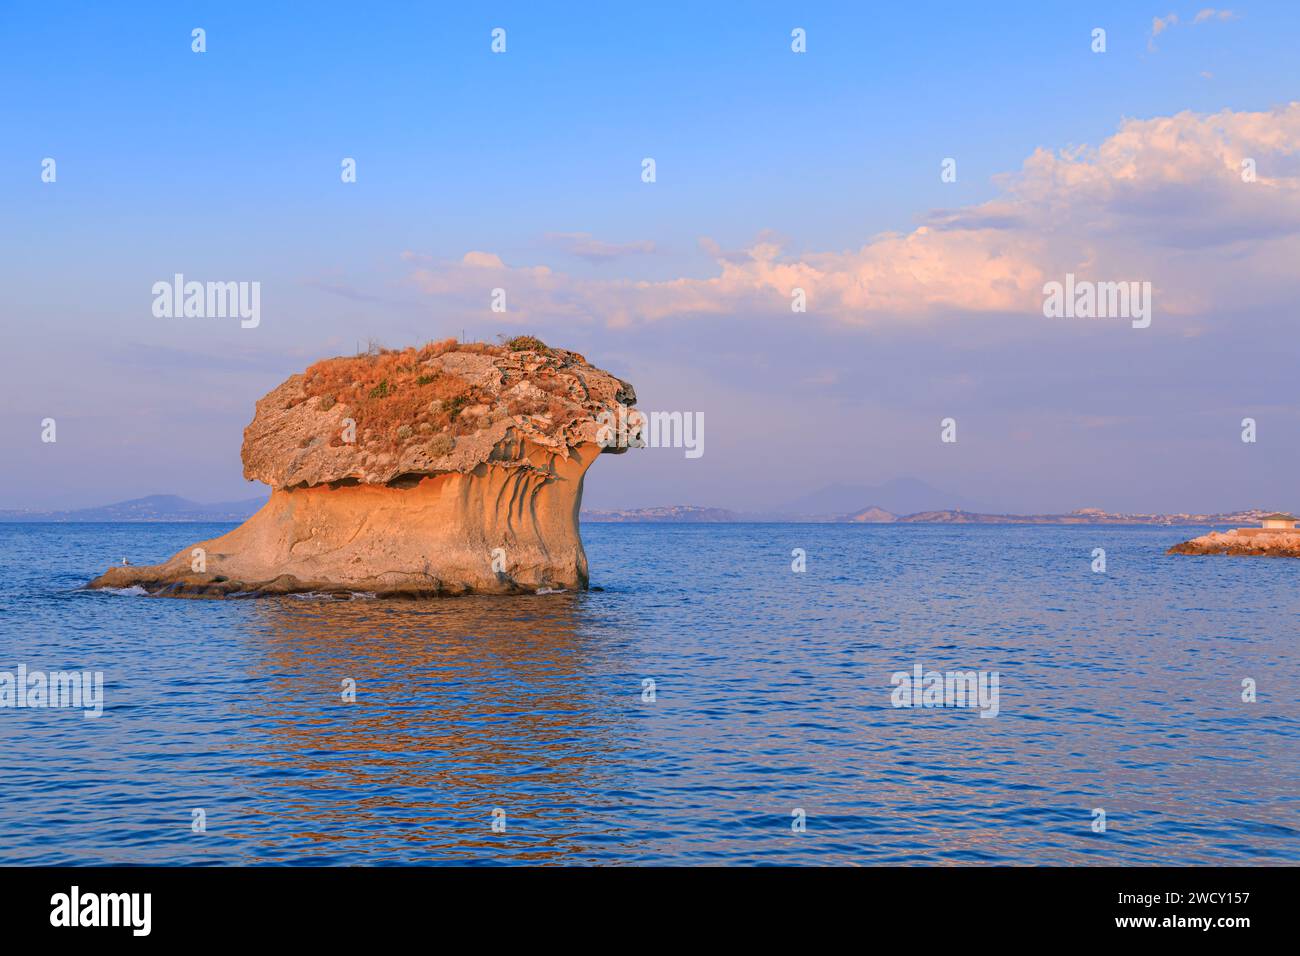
<point x="872" y="515"/>
<point x="150" y="508"/>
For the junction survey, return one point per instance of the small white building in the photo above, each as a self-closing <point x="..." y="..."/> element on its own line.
<point x="1279" y="522"/>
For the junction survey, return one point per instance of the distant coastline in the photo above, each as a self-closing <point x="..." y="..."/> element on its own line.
<point x="173" y="508"/>
<point x="684" y="514"/>
<point x="150" y="509"/>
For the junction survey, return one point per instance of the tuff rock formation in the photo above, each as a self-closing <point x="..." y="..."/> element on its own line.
<point x="448" y="469"/>
<point x="1256" y="542"/>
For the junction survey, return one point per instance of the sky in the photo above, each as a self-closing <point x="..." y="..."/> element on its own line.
<point x="773" y="170"/>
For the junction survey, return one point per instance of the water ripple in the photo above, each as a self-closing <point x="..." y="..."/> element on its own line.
<point x="1119" y="691"/>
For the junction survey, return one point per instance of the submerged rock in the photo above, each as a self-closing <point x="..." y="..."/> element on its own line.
<point x="448" y="469"/>
<point x="1255" y="542"/>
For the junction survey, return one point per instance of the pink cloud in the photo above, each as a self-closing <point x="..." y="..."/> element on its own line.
<point x="1162" y="200"/>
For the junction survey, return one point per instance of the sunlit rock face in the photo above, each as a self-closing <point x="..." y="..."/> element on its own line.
<point x="449" y="469"/>
<point x="1244" y="542"/>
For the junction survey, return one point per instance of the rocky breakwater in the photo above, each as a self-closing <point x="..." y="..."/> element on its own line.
<point x="1257" y="542"/>
<point x="448" y="469"/>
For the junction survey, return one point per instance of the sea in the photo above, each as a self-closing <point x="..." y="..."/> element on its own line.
<point x="725" y="694"/>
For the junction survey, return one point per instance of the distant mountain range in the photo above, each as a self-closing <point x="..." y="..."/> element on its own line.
<point x="877" y="515"/>
<point x="904" y="501"/>
<point x="175" y="508"/>
<point x="150" y="508"/>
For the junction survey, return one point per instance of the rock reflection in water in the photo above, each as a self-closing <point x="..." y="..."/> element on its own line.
<point x="462" y="705"/>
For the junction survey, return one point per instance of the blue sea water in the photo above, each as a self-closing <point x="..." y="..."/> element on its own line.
<point x="1119" y="691"/>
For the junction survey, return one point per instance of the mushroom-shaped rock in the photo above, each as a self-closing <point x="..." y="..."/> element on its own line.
<point x="447" y="469"/>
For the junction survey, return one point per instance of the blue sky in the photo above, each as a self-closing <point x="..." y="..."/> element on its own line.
<point x="225" y="165"/>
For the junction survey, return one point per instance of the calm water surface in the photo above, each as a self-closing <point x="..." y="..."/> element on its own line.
<point x="1119" y="691"/>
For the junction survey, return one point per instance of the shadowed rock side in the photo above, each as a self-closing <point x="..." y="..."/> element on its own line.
<point x="1255" y="542"/>
<point x="465" y="475"/>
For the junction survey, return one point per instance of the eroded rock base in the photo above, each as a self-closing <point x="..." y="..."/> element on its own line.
<point x="502" y="528"/>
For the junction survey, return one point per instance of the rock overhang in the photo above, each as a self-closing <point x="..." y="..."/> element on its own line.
<point x="389" y="415"/>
